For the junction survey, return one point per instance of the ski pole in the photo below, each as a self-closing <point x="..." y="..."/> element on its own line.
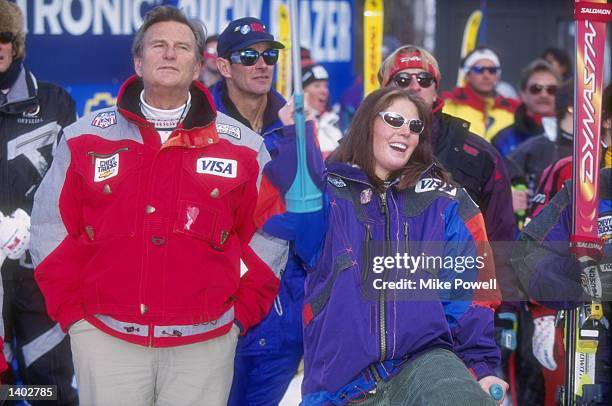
<point x="303" y="195"/>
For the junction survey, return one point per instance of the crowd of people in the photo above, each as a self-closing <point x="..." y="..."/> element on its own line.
<point x="148" y="256"/>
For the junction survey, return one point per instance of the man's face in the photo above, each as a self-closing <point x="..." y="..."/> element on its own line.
<point x="254" y="80"/>
<point x="168" y="61"/>
<point x="539" y="94"/>
<point x="481" y="79"/>
<point x="6" y="56"/>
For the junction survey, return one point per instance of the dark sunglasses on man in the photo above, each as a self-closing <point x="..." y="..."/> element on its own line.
<point x="537" y="89"/>
<point x="424" y="79"/>
<point x="249" y="57"/>
<point x="479" y="70"/>
<point x="6" y="37"/>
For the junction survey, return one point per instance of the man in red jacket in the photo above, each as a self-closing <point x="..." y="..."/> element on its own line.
<point x="140" y="225"/>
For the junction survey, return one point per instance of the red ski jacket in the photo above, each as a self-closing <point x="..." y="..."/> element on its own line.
<point x="144" y="240"/>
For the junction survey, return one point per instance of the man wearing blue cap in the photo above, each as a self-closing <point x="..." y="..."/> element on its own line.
<point x="268" y="355"/>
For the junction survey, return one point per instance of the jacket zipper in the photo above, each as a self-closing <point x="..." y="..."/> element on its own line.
<point x="367" y="241"/>
<point x="406" y="240"/>
<point x="384" y="209"/>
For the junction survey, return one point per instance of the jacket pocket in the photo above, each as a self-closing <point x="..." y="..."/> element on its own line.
<point x="110" y="181"/>
<point x="208" y="203"/>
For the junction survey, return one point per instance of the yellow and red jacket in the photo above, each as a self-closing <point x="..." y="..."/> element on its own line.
<point x="144" y="240"/>
<point x="487" y="116"/>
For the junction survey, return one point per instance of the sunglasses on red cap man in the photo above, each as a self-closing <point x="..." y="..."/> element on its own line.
<point x="411" y="60"/>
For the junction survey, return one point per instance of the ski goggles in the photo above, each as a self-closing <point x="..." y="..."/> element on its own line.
<point x="396" y="120"/>
<point x="6" y="37"/>
<point x="249" y="57"/>
<point x="479" y="70"/>
<point x="537" y="89"/>
<point x="424" y="79"/>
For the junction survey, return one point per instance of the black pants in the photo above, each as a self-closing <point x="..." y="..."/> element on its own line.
<point x="42" y="350"/>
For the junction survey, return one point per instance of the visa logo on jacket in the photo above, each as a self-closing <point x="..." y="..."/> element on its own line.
<point x="227" y="168"/>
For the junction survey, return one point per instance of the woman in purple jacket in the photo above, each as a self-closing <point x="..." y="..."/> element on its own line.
<point x="378" y="327"/>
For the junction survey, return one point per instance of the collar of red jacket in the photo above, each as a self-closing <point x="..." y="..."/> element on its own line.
<point x="465" y="95"/>
<point x="197" y="130"/>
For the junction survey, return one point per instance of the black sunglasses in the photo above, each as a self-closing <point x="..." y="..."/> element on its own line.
<point x="424" y="79"/>
<point x="396" y="121"/>
<point x="6" y="37"/>
<point x="249" y="57"/>
<point x="537" y="89"/>
<point x="482" y="69"/>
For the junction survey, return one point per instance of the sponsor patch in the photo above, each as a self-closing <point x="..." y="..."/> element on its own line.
<point x="106" y="168"/>
<point x="230" y="130"/>
<point x="105" y="119"/>
<point x="365" y="196"/>
<point x="226" y="168"/>
<point x="432" y="184"/>
<point x="32" y="111"/>
<point x="470" y="150"/>
<point x="604" y="227"/>
<point x="337" y="182"/>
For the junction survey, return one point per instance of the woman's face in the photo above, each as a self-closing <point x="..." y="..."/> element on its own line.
<point x="394" y="146"/>
<point x="317" y="95"/>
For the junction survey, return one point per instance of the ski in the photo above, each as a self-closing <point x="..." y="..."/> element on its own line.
<point x="283" y="66"/>
<point x="372" y="40"/>
<point x="582" y="323"/>
<point x="469" y="41"/>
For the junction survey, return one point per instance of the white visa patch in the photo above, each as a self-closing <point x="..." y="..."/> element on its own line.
<point x="106" y="168"/>
<point x="226" y="168"/>
<point x="431" y="184"/>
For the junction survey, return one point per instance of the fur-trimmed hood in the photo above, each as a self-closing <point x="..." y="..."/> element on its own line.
<point x="11" y="19"/>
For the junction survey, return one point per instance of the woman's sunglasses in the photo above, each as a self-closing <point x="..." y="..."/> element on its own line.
<point x="249" y="57"/>
<point x="537" y="89"/>
<point x="396" y="121"/>
<point x="424" y="79"/>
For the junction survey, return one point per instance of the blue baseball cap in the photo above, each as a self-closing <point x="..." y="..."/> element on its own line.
<point x="241" y="34"/>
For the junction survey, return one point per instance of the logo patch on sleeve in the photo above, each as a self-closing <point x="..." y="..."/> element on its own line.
<point x="431" y="184"/>
<point x="106" y="168"/>
<point x="105" y="119"/>
<point x="337" y="182"/>
<point x="230" y="130"/>
<point x="226" y="168"/>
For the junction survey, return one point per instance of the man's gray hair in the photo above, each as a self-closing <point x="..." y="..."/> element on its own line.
<point x="168" y="13"/>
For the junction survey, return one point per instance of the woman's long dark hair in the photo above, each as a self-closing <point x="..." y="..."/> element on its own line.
<point x="358" y="146"/>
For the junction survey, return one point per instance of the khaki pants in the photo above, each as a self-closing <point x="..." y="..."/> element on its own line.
<point x="111" y="371"/>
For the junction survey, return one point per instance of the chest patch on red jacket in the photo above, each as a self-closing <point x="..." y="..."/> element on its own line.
<point x="226" y="168"/>
<point x="106" y="168"/>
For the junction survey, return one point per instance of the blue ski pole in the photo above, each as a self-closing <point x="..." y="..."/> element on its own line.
<point x="303" y="195"/>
